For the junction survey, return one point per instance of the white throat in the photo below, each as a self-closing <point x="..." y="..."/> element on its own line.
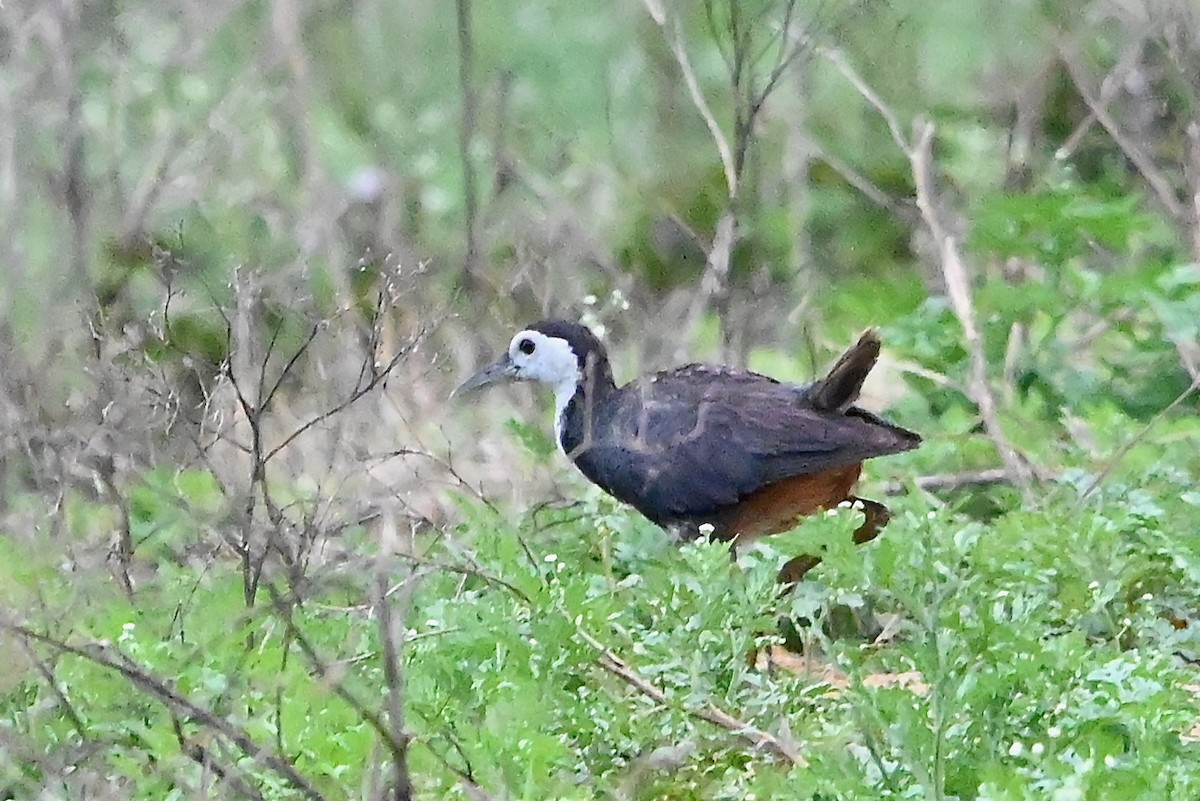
<point x="564" y="390"/>
<point x="550" y="361"/>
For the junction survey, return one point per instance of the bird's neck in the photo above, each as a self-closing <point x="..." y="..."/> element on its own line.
<point x="576" y="402"/>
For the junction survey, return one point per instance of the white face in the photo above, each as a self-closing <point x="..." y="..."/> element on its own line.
<point x="537" y="357"/>
<point x="550" y="360"/>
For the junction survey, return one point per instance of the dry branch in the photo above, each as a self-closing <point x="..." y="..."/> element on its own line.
<point x="954" y="271"/>
<point x="1124" y="450"/>
<point x="1158" y="182"/>
<point x="101" y="655"/>
<point x="838" y="60"/>
<point x="466" y="136"/>
<point x="326" y="668"/>
<point x="943" y="482"/>
<point x="674" y="38"/>
<point x="710" y="712"/>
<point x="1108" y="90"/>
<point x="391" y="639"/>
<point x="958" y="287"/>
<point x="751" y="83"/>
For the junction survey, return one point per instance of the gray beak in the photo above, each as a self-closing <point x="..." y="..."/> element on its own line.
<point x="503" y="370"/>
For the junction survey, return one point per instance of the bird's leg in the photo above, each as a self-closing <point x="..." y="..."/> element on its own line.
<point x="877" y="516"/>
<point x="683" y="531"/>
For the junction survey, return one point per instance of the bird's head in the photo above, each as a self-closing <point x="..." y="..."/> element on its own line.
<point x="553" y="352"/>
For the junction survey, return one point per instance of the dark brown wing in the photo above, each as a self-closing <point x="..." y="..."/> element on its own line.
<point x="686" y="443"/>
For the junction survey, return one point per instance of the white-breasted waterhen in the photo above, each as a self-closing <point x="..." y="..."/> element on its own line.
<point x="705" y="450"/>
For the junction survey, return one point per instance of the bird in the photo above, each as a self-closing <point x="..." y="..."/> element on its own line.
<point x="705" y="450"/>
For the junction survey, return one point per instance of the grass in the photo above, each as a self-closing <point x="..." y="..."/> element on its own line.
<point x="560" y="646"/>
<point x="300" y="626"/>
<point x="1041" y="651"/>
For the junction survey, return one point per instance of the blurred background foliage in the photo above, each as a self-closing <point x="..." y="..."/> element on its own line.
<point x="247" y="246"/>
<point x="320" y="144"/>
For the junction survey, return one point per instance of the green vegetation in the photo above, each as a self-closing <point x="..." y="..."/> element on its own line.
<point x="248" y="550"/>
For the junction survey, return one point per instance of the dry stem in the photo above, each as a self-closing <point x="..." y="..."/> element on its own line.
<point x="710" y="713"/>
<point x="958" y="286"/>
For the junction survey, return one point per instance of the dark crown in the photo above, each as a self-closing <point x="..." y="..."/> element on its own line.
<point x="583" y="342"/>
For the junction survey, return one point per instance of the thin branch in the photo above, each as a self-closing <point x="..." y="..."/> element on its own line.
<point x="287" y="368"/>
<point x="1192" y="172"/>
<point x="1189" y="357"/>
<point x="1144" y="164"/>
<point x="466" y="134"/>
<point x="838" y="60"/>
<point x="64" y="703"/>
<point x="1108" y="90"/>
<point x="1134" y="440"/>
<point x="319" y="665"/>
<point x="391" y="640"/>
<point x="207" y="760"/>
<point x="864" y="185"/>
<point x="710" y="712"/>
<point x="944" y="482"/>
<point x="157" y="688"/>
<point x="465" y="779"/>
<point x="958" y="287"/>
<point x="472" y="570"/>
<point x="675" y="42"/>
<point x="353" y="398"/>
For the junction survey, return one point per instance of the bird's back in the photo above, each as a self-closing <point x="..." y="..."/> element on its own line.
<point x="686" y="444"/>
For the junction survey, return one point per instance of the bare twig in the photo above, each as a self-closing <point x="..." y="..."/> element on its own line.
<point x="942" y="482"/>
<point x="56" y="689"/>
<point x="465" y="779"/>
<point x="673" y="33"/>
<point x="1189" y="356"/>
<point x="1192" y="172"/>
<point x="1124" y="450"/>
<point x="284" y="604"/>
<point x="466" y="135"/>
<point x="1108" y="90"/>
<point x="954" y="272"/>
<point x="749" y="94"/>
<point x="354" y="397"/>
<point x="205" y="758"/>
<point x="391" y="639"/>
<point x="958" y="287"/>
<point x="1153" y="176"/>
<point x="710" y="712"/>
<point x="157" y="688"/>
<point x="838" y="60"/>
<point x="870" y="190"/>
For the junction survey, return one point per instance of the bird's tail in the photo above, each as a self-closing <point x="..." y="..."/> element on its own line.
<point x="840" y="388"/>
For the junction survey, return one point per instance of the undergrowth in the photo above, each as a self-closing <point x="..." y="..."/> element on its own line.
<point x="1044" y="647"/>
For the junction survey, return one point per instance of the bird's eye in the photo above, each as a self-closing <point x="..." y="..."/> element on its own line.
<point x="526" y="346"/>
